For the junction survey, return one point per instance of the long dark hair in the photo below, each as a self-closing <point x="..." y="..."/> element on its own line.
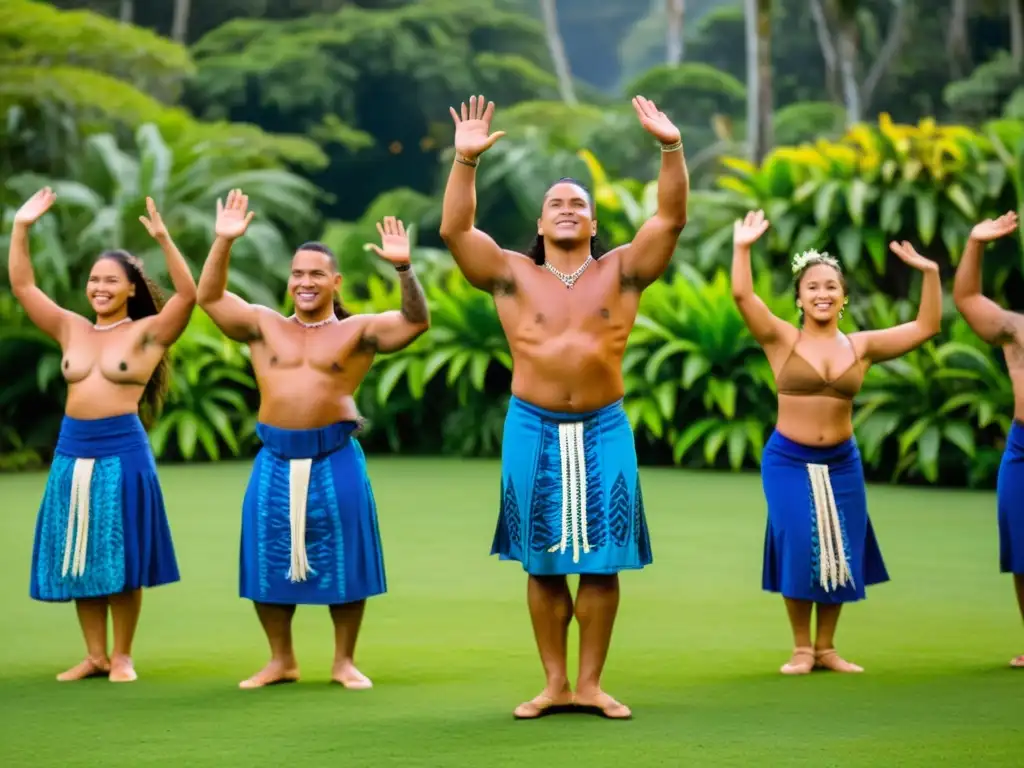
<point x="536" y="248"/>
<point x="148" y="300"/>
<point x="313" y="245"/>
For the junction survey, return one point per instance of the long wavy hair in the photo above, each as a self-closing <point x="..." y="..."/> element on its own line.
<point x="340" y="311"/>
<point x="536" y="248"/>
<point x="148" y="300"/>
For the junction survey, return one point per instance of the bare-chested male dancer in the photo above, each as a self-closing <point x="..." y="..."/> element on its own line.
<point x="571" y="499"/>
<point x="309" y="521"/>
<point x="1004" y="328"/>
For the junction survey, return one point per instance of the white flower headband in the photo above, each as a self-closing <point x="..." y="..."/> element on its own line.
<point x="801" y="260"/>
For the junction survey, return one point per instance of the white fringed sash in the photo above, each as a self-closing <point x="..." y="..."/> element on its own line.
<point x="77" y="536"/>
<point x="299" y="471"/>
<point x="574" y="490"/>
<point x="833" y="568"/>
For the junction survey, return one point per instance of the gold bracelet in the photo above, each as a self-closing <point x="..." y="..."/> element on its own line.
<point x="464" y="161"/>
<point x="672" y="147"/>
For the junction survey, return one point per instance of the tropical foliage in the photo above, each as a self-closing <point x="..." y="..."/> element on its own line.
<point x="331" y="114"/>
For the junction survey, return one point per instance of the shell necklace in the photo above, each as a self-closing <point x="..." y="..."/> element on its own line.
<point x="122" y="321"/>
<point x="569" y="280"/>
<point x="318" y="324"/>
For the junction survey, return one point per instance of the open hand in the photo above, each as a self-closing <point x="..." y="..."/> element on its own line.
<point x="912" y="258"/>
<point x="154" y="224"/>
<point x="656" y="123"/>
<point x="232" y="219"/>
<point x="745" y="233"/>
<point x="472" y="131"/>
<point x="394" y="240"/>
<point x="35" y="207"/>
<point x="993" y="229"/>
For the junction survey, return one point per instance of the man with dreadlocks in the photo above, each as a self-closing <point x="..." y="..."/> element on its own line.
<point x="570" y="493"/>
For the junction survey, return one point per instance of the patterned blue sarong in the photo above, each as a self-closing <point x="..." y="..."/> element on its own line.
<point x="571" y="501"/>
<point x="309" y="520"/>
<point x="819" y="543"/>
<point x="102" y="527"/>
<point x="1010" y="502"/>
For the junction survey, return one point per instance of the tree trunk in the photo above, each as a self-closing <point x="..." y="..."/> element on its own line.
<point x="957" y="43"/>
<point x="675" y="10"/>
<point x="127" y="14"/>
<point x="557" y="50"/>
<point x="765" y="100"/>
<point x="1017" y="31"/>
<point x="179" y="27"/>
<point x="759" y="77"/>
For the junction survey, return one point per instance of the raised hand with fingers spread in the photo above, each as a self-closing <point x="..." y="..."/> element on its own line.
<point x="233" y="217"/>
<point x="473" y="134"/>
<point x="394" y="246"/>
<point x="748" y="231"/>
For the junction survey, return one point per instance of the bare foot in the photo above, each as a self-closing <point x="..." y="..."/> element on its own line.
<point x="346" y="673"/>
<point x="602" y="704"/>
<point x="122" y="670"/>
<point x="544" y="704"/>
<point x="275" y="672"/>
<point x="800" y="663"/>
<point x="1017" y="662"/>
<point x="87" y="668"/>
<point x="829" y="659"/>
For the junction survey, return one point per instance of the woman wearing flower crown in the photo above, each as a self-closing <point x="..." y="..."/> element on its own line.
<point x="102" y="533"/>
<point x="820" y="549"/>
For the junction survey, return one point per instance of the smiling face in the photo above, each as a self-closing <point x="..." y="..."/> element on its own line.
<point x="567" y="217"/>
<point x="314" y="281"/>
<point x="821" y="293"/>
<point x="109" y="288"/>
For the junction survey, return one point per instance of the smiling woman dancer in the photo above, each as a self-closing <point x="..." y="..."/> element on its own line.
<point x="820" y="549"/>
<point x="102" y="533"/>
<point x="1000" y="327"/>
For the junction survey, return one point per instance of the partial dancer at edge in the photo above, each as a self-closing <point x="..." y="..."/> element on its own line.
<point x="820" y="547"/>
<point x="1000" y="327"/>
<point x="309" y="519"/>
<point x="571" y="500"/>
<point x="102" y="533"/>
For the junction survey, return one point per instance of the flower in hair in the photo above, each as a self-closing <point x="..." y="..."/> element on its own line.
<point x="802" y="260"/>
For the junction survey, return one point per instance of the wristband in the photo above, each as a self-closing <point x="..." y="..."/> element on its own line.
<point x="403" y="268"/>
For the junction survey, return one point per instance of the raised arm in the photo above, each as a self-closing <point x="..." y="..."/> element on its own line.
<point x="648" y="256"/>
<point x="236" y="318"/>
<point x="392" y="331"/>
<point x="765" y="327"/>
<point x="476" y="254"/>
<point x="41" y="309"/>
<point x="168" y="326"/>
<point x="888" y="343"/>
<point x="992" y="323"/>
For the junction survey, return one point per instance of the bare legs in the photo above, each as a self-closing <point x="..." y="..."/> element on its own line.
<point x="1018" y="584"/>
<point x="92" y="617"/>
<point x="822" y="653"/>
<point x="551" y="610"/>
<point x="347" y="619"/>
<point x="283" y="668"/>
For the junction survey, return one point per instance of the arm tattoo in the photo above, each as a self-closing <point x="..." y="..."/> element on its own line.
<point x="414" y="302"/>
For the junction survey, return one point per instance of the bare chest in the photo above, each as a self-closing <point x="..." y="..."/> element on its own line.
<point x="125" y="356"/>
<point x="541" y="303"/>
<point x="289" y="346"/>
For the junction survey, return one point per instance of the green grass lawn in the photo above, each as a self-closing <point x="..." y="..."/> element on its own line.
<point x="696" y="651"/>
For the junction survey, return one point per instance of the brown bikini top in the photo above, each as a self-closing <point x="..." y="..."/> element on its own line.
<point x="801" y="379"/>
